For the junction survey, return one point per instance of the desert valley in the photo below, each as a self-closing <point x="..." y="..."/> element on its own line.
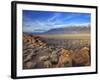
<point x="60" y="47"/>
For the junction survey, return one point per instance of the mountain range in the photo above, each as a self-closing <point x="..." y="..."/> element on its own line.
<point x="67" y="30"/>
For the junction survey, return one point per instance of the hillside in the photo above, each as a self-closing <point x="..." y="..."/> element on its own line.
<point x="39" y="52"/>
<point x="69" y="30"/>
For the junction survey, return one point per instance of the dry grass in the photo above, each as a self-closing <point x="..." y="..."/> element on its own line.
<point x="67" y="36"/>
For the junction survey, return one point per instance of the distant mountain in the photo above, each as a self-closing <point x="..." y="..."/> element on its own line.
<point x="69" y="30"/>
<point x="65" y="30"/>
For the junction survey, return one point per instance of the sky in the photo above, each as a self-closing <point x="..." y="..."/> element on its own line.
<point x="42" y="21"/>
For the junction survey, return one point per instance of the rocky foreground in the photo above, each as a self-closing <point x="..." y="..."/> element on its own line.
<point x="38" y="54"/>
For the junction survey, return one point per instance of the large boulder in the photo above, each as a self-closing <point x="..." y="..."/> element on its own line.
<point x="81" y="57"/>
<point x="65" y="59"/>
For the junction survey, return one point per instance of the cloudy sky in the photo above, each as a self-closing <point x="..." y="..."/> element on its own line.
<point x="41" y="21"/>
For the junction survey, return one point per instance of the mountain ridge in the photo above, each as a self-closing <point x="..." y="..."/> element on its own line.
<point x="66" y="30"/>
<point x="69" y="30"/>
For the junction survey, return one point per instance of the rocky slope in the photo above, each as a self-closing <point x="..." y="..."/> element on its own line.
<point x="38" y="54"/>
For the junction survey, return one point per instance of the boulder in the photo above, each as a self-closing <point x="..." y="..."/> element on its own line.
<point x="29" y="55"/>
<point x="65" y="59"/>
<point x="47" y="64"/>
<point x="81" y="57"/>
<point x="27" y="58"/>
<point x="30" y="65"/>
<point x="44" y="58"/>
<point x="54" y="57"/>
